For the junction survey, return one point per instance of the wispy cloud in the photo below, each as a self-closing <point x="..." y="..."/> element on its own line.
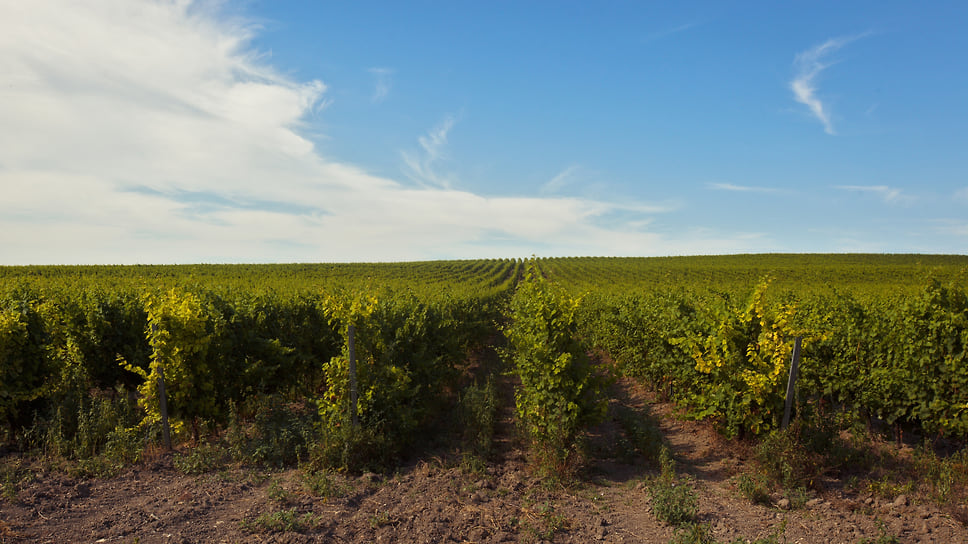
<point x="560" y="180"/>
<point x="808" y="65"/>
<point x="962" y="194"/>
<point x="885" y="193"/>
<point x="666" y="32"/>
<point x="422" y="167"/>
<point x="381" y="88"/>
<point x="742" y="188"/>
<point x="953" y="227"/>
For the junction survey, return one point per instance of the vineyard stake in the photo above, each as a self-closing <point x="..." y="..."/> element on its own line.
<point x="794" y="364"/>
<point x="351" y="343"/>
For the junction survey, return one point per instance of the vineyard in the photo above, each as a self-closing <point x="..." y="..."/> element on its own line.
<point x="98" y="363"/>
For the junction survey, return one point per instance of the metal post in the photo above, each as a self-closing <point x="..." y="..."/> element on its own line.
<point x="794" y="367"/>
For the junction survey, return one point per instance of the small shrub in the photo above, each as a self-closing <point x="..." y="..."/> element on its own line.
<point x="321" y="483"/>
<point x="642" y="430"/>
<point x="277" y="492"/>
<point x="478" y="407"/>
<point x="548" y="522"/>
<point x="356" y="449"/>
<point x="12" y="475"/>
<point x="784" y="459"/>
<point x="673" y="499"/>
<point x="693" y="533"/>
<point x="203" y="458"/>
<point x="945" y="478"/>
<point x="282" y="521"/>
<point x="278" y="434"/>
<point x="754" y="488"/>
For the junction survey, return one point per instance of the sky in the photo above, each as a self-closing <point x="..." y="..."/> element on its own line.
<point x="252" y="131"/>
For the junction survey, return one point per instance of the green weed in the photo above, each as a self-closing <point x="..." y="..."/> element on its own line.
<point x="282" y="521"/>
<point x="673" y="499"/>
<point x="205" y="457"/>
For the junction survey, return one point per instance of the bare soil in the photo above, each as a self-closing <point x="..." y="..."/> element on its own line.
<point x="435" y="499"/>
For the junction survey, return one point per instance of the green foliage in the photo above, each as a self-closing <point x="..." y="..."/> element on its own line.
<point x="544" y="521"/>
<point x="322" y="483"/>
<point x="883" y="537"/>
<point x="355" y="449"/>
<point x="560" y="394"/>
<point x="478" y="406"/>
<point x="701" y="533"/>
<point x="204" y="457"/>
<point x="280" y="434"/>
<point x="643" y="431"/>
<point x="942" y="476"/>
<point x="784" y="459"/>
<point x="673" y="499"/>
<point x="24" y="366"/>
<point x="13" y="473"/>
<point x="755" y="488"/>
<point x="743" y="363"/>
<point x="282" y="521"/>
<point x="406" y="353"/>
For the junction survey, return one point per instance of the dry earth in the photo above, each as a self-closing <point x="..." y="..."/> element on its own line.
<point x="434" y="500"/>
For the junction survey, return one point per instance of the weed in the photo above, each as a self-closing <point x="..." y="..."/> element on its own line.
<point x="277" y="435"/>
<point x="473" y="463"/>
<point x="12" y="475"/>
<point x="203" y="458"/>
<point x="890" y="486"/>
<point x="321" y="483"/>
<point x="673" y="499"/>
<point x="798" y="497"/>
<point x="642" y="430"/>
<point x="944" y="477"/>
<point x="95" y="467"/>
<point x="693" y="533"/>
<point x="548" y="522"/>
<point x="478" y="408"/>
<point x="356" y="449"/>
<point x="282" y="521"/>
<point x="277" y="492"/>
<point x="883" y="537"/>
<point x="381" y="519"/>
<point x="99" y="433"/>
<point x="784" y="460"/>
<point x="701" y="533"/>
<point x="754" y="488"/>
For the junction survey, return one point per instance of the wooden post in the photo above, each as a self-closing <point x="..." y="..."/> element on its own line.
<point x="794" y="366"/>
<point x="351" y="343"/>
<point x="162" y="398"/>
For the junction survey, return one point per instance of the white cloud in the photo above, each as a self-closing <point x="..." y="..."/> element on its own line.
<point x="381" y="85"/>
<point x="809" y="64"/>
<point x="885" y="193"/>
<point x="422" y="167"/>
<point x="150" y="131"/>
<point x="742" y="188"/>
<point x="665" y="33"/>
<point x="962" y="194"/>
<point x="561" y="179"/>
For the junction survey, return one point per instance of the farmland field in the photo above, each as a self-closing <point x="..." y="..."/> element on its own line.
<point x="498" y="383"/>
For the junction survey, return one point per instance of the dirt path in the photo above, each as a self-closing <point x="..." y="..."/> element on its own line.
<point x="434" y="499"/>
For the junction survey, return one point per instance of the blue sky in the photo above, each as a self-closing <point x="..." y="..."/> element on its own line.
<point x="280" y="131"/>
